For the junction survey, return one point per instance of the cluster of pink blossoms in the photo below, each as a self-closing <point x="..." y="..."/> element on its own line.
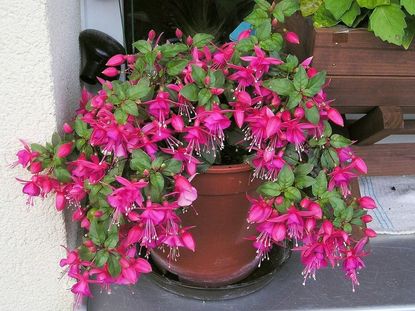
<point x="125" y="164"/>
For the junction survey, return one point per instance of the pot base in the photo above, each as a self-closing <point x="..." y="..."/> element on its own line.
<point x="254" y="282"/>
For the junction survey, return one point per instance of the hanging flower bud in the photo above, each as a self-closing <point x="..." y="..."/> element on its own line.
<point x="130" y="58"/>
<point x="116" y="60"/>
<point x="111" y="72"/>
<point x="370" y="233"/>
<point x="31" y="189"/>
<point x="60" y="201"/>
<point x="151" y="35"/>
<point x="367" y="203"/>
<point x="67" y="128"/>
<point x="366" y="218"/>
<point x="189" y="40"/>
<point x="244" y="34"/>
<point x="309" y="104"/>
<point x="335" y="116"/>
<point x="36" y="167"/>
<point x="179" y="33"/>
<point x="177" y="123"/>
<point x="274" y="22"/>
<point x="188" y="240"/>
<point x="64" y="150"/>
<point x="360" y="165"/>
<point x="299" y="113"/>
<point x="292" y="37"/>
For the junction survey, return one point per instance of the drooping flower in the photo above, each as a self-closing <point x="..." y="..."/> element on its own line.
<point x="186" y="192"/>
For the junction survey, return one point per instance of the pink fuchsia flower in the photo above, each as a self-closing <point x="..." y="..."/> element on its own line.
<point x="260" y="63"/>
<point x="245" y="77"/>
<point x="367" y="202"/>
<point x="353" y="262"/>
<point x="295" y="132"/>
<point x="25" y="156"/>
<point x="152" y="215"/>
<point x="93" y="170"/>
<point x="177" y="123"/>
<point x="186" y="192"/>
<point x="242" y="105"/>
<point x="292" y="37"/>
<point x="341" y="177"/>
<point x="216" y="122"/>
<point x="160" y="106"/>
<point x="313" y="257"/>
<point x="64" y="150"/>
<point x="196" y="138"/>
<point x="189" y="162"/>
<point x="116" y="60"/>
<point x="260" y="210"/>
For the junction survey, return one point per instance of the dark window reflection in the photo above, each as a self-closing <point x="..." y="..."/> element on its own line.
<point x="217" y="17"/>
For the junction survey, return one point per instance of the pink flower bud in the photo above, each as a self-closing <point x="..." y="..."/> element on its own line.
<point x="292" y="37"/>
<point x="130" y="58"/>
<point x="67" y="128"/>
<point x="111" y="72"/>
<point x="244" y="34"/>
<point x="276" y="101"/>
<point x="60" y="201"/>
<point x="36" y="167"/>
<point x="151" y="35"/>
<point x="31" y="189"/>
<point x="116" y="60"/>
<point x="327" y="227"/>
<point x="299" y="113"/>
<point x="179" y="33"/>
<point x="134" y="235"/>
<point x="98" y="214"/>
<point x="360" y="165"/>
<point x="207" y="80"/>
<point x="189" y="40"/>
<point x="177" y="123"/>
<point x="188" y="241"/>
<point x="307" y="62"/>
<point x="310" y="224"/>
<point x="85" y="223"/>
<point x="305" y="203"/>
<point x="279" y="232"/>
<point x="367" y="203"/>
<point x="78" y="214"/>
<point x="335" y="116"/>
<point x="89" y="243"/>
<point x="309" y="104"/>
<point x="370" y="233"/>
<point x="64" y="150"/>
<point x="315" y="207"/>
<point x="279" y="200"/>
<point x="274" y="22"/>
<point x="366" y="218"/>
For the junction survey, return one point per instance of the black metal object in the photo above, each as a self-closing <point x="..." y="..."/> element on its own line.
<point x="217" y="17"/>
<point x="254" y="282"/>
<point x="96" y="48"/>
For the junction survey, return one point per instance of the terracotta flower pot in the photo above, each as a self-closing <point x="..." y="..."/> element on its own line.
<point x="223" y="255"/>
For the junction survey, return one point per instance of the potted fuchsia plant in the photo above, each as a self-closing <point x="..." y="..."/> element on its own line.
<point x="125" y="165"/>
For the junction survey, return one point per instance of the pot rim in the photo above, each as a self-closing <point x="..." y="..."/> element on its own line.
<point x="231" y="168"/>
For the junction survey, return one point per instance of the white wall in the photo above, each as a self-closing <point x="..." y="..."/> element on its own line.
<point x="39" y="61"/>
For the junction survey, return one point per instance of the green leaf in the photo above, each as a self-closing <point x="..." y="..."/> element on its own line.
<point x="285" y="8"/>
<point x="303" y="169"/>
<point x="85" y="253"/>
<point x="291" y="62"/>
<point x="339" y="141"/>
<point x="409" y="32"/>
<point x="257" y="17"/>
<point x="202" y="39"/>
<point x="304" y="181"/>
<point x="96" y="232"/>
<point x="292" y="194"/>
<point x="56" y="139"/>
<point x="338" y="204"/>
<point x="280" y="86"/>
<point x="190" y="92"/>
<point x="329" y="158"/>
<point x="204" y="97"/>
<point x="338" y="7"/>
<point x="269" y="189"/>
<point x="294" y="100"/>
<point x="315" y="84"/>
<point x="246" y="45"/>
<point x="121" y="116"/>
<point x="176" y="66"/>
<point x="157" y="163"/>
<point x="157" y="185"/>
<point x="263" y="4"/>
<point x="140" y="90"/>
<point x="409" y="6"/>
<point x="198" y="74"/>
<point x="371" y="4"/>
<point x="347" y="227"/>
<point x="62" y="175"/>
<point x="81" y="128"/>
<point x="300" y="79"/>
<point x="38" y="148"/>
<point x="112" y="239"/>
<point x="274" y="43"/>
<point x="388" y="23"/>
<point x="286" y="177"/>
<point x="350" y="16"/>
<point x="219" y="79"/>
<point x="320" y="185"/>
<point x="140" y="161"/>
<point x="130" y="107"/>
<point x="309" y="7"/>
<point x="263" y="31"/>
<point x="171" y="167"/>
<point x="312" y="114"/>
<point x="101" y="257"/>
<point x="142" y="46"/>
<point x="323" y="18"/>
<point x="114" y="267"/>
<point x="171" y="50"/>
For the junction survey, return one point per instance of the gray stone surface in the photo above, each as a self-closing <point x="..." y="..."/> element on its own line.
<point x="388" y="283"/>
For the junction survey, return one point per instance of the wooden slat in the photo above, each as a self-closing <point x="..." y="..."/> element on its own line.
<point x="376" y="125"/>
<point x="388" y="159"/>
<point x="364" y="92"/>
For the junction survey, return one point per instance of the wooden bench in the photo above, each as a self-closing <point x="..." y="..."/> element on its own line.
<point x="368" y="77"/>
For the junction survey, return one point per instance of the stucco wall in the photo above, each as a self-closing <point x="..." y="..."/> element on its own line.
<point x="39" y="61"/>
